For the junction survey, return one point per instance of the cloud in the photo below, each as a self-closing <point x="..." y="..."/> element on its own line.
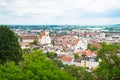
<point x="95" y="6"/>
<point x="29" y="7"/>
<point x="59" y="10"/>
<point x="55" y="7"/>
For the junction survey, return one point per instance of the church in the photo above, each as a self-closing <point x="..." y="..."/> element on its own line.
<point x="44" y="38"/>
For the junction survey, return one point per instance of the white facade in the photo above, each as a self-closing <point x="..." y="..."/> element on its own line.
<point x="23" y="47"/>
<point x="66" y="62"/>
<point x="82" y="45"/>
<point x="45" y="39"/>
<point x="28" y="40"/>
<point x="102" y="35"/>
<point x="90" y="64"/>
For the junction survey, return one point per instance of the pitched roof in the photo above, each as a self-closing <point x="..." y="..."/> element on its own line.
<point x="85" y="52"/>
<point x="88" y="52"/>
<point x="24" y="43"/>
<point x="68" y="40"/>
<point x="96" y="45"/>
<point x="76" y="41"/>
<point x="42" y="34"/>
<point x="28" y="36"/>
<point x="66" y="58"/>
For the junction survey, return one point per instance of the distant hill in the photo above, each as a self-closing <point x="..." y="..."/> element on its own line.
<point x="114" y="28"/>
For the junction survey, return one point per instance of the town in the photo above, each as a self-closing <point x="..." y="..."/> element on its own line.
<point x="73" y="47"/>
<point x="59" y="39"/>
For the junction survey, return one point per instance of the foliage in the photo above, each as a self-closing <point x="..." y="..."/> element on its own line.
<point x="51" y="55"/>
<point x="35" y="42"/>
<point x="36" y="48"/>
<point x="26" y="50"/>
<point x="76" y="56"/>
<point x="58" y="63"/>
<point x="78" y="72"/>
<point x="35" y="66"/>
<point x="109" y="66"/>
<point x="9" y="46"/>
<point x="92" y="48"/>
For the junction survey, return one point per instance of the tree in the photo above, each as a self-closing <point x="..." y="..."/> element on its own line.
<point x="51" y="55"/>
<point x="9" y="46"/>
<point x="92" y="48"/>
<point x="58" y="63"/>
<point x="26" y="50"/>
<point x="35" y="42"/>
<point x="78" y="73"/>
<point x="35" y="66"/>
<point x="109" y="66"/>
<point x="76" y="56"/>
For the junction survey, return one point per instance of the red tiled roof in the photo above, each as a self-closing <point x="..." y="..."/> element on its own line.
<point x="76" y="41"/>
<point x="28" y="36"/>
<point x="25" y="35"/>
<point x="66" y="58"/>
<point x="80" y="52"/>
<point x="86" y="52"/>
<point x="68" y="40"/>
<point x="24" y="43"/>
<point x="96" y="45"/>
<point x="94" y="52"/>
<point x="42" y="34"/>
<point x="92" y="68"/>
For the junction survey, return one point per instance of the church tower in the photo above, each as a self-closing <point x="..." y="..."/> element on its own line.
<point x="45" y="38"/>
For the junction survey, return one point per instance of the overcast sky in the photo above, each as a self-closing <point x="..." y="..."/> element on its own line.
<point x="79" y="12"/>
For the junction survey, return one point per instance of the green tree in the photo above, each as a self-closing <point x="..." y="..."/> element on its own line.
<point x="92" y="48"/>
<point x="35" y="42"/>
<point x="76" y="56"/>
<point x="58" y="63"/>
<point x="34" y="67"/>
<point x="51" y="55"/>
<point x="26" y="50"/>
<point x="78" y="73"/>
<point x="9" y="46"/>
<point x="109" y="66"/>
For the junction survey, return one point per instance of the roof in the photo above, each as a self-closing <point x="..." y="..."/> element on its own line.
<point x="66" y="58"/>
<point x="96" y="45"/>
<point x="85" y="52"/>
<point x="24" y="43"/>
<point x="42" y="34"/>
<point x="76" y="41"/>
<point x="68" y="40"/>
<point x="88" y="52"/>
<point x="28" y="36"/>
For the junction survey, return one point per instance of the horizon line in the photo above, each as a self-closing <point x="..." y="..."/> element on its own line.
<point x="66" y="24"/>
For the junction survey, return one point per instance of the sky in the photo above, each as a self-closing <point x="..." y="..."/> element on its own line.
<point x="61" y="12"/>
